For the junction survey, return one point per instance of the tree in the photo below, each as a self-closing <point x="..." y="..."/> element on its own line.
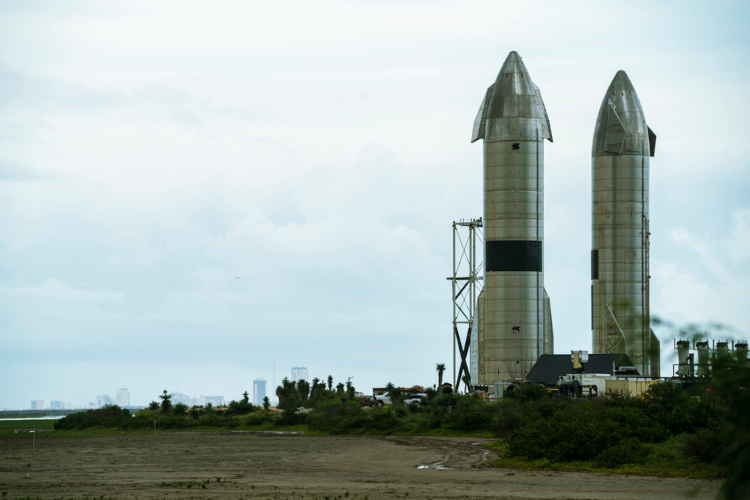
<point x="166" y="402"/>
<point x="394" y="394"/>
<point x="340" y="389"/>
<point x="180" y="409"/>
<point x="153" y="406"/>
<point x="266" y="403"/>
<point x="440" y="369"/>
<point x="316" y="388"/>
<point x="330" y="383"/>
<point x="245" y="397"/>
<point x="350" y="388"/>
<point x="303" y="389"/>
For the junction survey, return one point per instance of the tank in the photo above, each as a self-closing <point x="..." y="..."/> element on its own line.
<point x="703" y="356"/>
<point x="683" y="358"/>
<point x="513" y="123"/>
<point x="622" y="146"/>
<point x="722" y="351"/>
<point x="741" y="350"/>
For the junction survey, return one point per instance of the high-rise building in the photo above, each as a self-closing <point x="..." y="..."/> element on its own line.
<point x="259" y="391"/>
<point x="56" y="405"/>
<point x="37" y="404"/>
<point x="103" y="400"/>
<point x="123" y="398"/>
<point x="299" y="373"/>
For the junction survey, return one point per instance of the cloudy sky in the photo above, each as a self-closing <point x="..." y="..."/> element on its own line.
<point x="194" y="195"/>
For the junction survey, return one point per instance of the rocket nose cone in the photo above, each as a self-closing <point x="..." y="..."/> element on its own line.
<point x="513" y="64"/>
<point x="621" y="82"/>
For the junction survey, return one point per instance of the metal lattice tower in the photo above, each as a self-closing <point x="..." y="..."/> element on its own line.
<point x="467" y="274"/>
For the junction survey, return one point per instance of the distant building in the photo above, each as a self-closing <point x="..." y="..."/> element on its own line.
<point x="56" y="405"/>
<point x="299" y="373"/>
<point x="259" y="391"/>
<point x="123" y="398"/>
<point x="180" y="398"/>
<point x="214" y="400"/>
<point x="37" y="404"/>
<point x="103" y="400"/>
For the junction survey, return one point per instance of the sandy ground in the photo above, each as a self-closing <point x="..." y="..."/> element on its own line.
<point x="280" y="466"/>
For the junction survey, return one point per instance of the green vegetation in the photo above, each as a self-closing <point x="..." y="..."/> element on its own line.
<point x="699" y="431"/>
<point x="26" y="424"/>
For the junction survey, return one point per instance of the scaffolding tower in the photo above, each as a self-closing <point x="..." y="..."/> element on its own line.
<point x="467" y="274"/>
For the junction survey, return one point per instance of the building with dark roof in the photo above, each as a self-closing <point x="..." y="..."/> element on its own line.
<point x="549" y="367"/>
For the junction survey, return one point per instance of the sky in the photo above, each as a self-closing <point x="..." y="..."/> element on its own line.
<point x="194" y="195"/>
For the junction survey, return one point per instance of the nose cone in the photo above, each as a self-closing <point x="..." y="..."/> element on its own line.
<point x="621" y="83"/>
<point x="621" y="125"/>
<point x="513" y="95"/>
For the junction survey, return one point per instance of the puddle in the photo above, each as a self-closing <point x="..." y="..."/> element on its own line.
<point x="436" y="465"/>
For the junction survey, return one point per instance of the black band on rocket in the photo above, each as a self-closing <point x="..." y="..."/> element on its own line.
<point x="513" y="255"/>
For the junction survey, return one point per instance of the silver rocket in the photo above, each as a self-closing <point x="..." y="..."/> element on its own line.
<point x="623" y="144"/>
<point x="514" y="325"/>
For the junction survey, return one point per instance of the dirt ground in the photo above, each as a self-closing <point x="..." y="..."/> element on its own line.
<point x="236" y="465"/>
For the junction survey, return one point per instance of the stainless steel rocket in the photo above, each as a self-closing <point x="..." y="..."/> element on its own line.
<point x="514" y="325"/>
<point x="622" y="146"/>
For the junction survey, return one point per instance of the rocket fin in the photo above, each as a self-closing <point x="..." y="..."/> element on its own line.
<point x="546" y="129"/>
<point x="549" y="337"/>
<point x="615" y="341"/>
<point x="614" y="140"/>
<point x="651" y="140"/>
<point x="479" y="122"/>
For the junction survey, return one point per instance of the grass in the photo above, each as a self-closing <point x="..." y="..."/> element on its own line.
<point x="6" y="425"/>
<point x="664" y="459"/>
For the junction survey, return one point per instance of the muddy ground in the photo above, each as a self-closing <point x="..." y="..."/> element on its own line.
<point x="236" y="465"/>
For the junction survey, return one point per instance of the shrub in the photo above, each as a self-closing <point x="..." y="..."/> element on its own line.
<point x="111" y="416"/>
<point x="628" y="451"/>
<point x="707" y="444"/>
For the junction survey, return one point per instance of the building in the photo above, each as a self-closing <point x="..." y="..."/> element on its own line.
<point x="180" y="398"/>
<point x="299" y="373"/>
<point x="103" y="400"/>
<point x="123" y="397"/>
<point x="214" y="400"/>
<point x="259" y="391"/>
<point x="37" y="404"/>
<point x="56" y="405"/>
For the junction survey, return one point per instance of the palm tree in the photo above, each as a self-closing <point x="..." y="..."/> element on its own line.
<point x="330" y="383"/>
<point x="394" y="393"/>
<point x="245" y="397"/>
<point x="440" y="369"/>
<point x="166" y="403"/>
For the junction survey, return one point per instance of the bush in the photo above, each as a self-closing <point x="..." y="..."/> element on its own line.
<point x="628" y="451"/>
<point x="707" y="444"/>
<point x="111" y="416"/>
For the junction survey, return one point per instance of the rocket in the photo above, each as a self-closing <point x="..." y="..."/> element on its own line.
<point x="623" y="144"/>
<point x="513" y="326"/>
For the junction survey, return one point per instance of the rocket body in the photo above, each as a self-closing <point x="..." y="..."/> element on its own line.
<point x="514" y="324"/>
<point x="623" y="144"/>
